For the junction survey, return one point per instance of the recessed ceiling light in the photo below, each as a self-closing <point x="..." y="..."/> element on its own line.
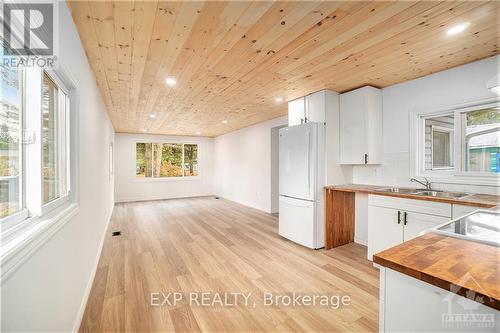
<point x="278" y="99"/>
<point x="198" y="133"/>
<point x="170" y="81"/>
<point x="144" y="130"/>
<point x="458" y="28"/>
<point x="152" y="116"/>
<point x="224" y="121"/>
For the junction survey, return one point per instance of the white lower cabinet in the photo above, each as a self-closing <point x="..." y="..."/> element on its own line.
<point x="383" y="229"/>
<point x="417" y="222"/>
<point x="392" y="221"/>
<point x="411" y="305"/>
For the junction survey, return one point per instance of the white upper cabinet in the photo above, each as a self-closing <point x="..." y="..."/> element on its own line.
<point x="308" y="109"/>
<point x="361" y="126"/>
<point x="316" y="107"/>
<point x="296" y="111"/>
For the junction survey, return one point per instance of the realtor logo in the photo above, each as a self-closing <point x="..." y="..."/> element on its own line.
<point x="28" y="29"/>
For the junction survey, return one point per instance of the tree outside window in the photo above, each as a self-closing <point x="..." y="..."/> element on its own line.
<point x="159" y="160"/>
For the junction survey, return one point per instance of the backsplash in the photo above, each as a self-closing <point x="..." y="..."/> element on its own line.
<point x="395" y="171"/>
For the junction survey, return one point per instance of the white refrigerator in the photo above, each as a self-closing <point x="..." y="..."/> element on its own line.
<point x="301" y="179"/>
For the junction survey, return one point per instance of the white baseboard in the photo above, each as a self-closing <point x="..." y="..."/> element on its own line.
<point x="83" y="304"/>
<point x="248" y="204"/>
<point x="128" y="200"/>
<point x="361" y="241"/>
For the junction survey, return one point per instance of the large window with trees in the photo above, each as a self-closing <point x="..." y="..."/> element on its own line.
<point x="160" y="160"/>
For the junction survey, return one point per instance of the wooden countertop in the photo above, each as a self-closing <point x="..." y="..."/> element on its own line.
<point x="466" y="268"/>
<point x="478" y="200"/>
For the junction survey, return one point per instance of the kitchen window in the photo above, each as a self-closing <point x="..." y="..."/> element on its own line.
<point x="459" y="142"/>
<point x="166" y="160"/>
<point x="439" y="132"/>
<point x="481" y="140"/>
<point x="34" y="144"/>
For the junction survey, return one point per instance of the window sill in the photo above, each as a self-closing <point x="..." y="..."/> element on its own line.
<point x="27" y="237"/>
<point x="164" y="179"/>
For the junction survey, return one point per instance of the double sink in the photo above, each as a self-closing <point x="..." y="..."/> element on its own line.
<point x="424" y="192"/>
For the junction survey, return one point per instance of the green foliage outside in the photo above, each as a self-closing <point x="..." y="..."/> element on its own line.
<point x="166" y="160"/>
<point x="483" y="117"/>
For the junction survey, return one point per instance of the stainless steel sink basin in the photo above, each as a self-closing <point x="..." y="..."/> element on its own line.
<point x="443" y="194"/>
<point x="423" y="192"/>
<point x="401" y="190"/>
<point x="481" y="226"/>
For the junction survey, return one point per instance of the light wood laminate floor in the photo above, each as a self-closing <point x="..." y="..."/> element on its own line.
<point x="209" y="245"/>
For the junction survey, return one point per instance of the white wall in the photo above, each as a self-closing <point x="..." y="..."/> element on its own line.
<point x="46" y="292"/>
<point x="447" y="88"/>
<point x="242" y="164"/>
<point x="130" y="188"/>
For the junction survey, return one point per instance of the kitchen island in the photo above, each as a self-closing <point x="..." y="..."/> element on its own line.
<point x="439" y="283"/>
<point x="430" y="282"/>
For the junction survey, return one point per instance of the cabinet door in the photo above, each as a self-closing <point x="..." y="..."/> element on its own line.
<point x="315" y="107"/>
<point x="383" y="229"/>
<point x="416" y="223"/>
<point x="353" y="129"/>
<point x="296" y="111"/>
<point x="412" y="305"/>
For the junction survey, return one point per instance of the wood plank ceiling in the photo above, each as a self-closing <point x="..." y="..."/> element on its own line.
<point x="231" y="59"/>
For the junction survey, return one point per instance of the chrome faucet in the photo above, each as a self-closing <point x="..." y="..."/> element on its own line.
<point x="427" y="183"/>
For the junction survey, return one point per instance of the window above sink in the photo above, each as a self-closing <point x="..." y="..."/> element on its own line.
<point x="459" y="144"/>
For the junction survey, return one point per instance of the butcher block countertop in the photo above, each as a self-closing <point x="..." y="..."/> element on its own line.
<point x="466" y="268"/>
<point x="478" y="200"/>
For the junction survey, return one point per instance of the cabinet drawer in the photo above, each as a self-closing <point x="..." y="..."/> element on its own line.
<point x="411" y="205"/>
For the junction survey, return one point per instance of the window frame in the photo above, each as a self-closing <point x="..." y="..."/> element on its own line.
<point x="166" y="179"/>
<point x="62" y="145"/>
<point x="11" y="220"/>
<point x="111" y="157"/>
<point x="32" y="176"/>
<point x="456" y="175"/>
<point x="450" y="131"/>
<point x="26" y="231"/>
